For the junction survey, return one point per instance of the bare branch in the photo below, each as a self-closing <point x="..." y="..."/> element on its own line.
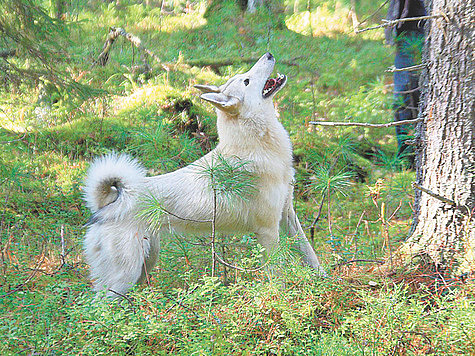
<point x="21" y="285"/>
<point x="406" y="91"/>
<point x="393" y="69"/>
<point x="387" y="23"/>
<point x="227" y="264"/>
<point x="434" y="195"/>
<point x="370" y="16"/>
<point x="363" y="124"/>
<point x="355" y="234"/>
<point x="112" y="36"/>
<point x="124" y="297"/>
<point x="185" y="219"/>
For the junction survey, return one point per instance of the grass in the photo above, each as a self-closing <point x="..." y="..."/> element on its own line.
<point x="45" y="298"/>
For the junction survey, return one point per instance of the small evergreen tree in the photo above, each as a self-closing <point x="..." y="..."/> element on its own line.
<point x="33" y="48"/>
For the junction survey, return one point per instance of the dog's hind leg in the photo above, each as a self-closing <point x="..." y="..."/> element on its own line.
<point x="290" y="224"/>
<point x="151" y="258"/>
<point x="117" y="254"/>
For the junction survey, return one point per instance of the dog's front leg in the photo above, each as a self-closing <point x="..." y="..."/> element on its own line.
<point x="290" y="224"/>
<point x="269" y="239"/>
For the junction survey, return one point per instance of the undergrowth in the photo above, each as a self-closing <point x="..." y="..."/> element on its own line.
<point x="353" y="195"/>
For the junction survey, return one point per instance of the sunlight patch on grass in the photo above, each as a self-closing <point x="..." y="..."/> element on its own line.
<point x="147" y="95"/>
<point x="171" y="24"/>
<point x="321" y="21"/>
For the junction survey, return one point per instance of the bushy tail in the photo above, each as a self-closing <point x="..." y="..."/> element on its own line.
<point x="113" y="181"/>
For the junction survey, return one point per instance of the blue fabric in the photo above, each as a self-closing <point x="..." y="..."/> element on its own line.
<point x="406" y="94"/>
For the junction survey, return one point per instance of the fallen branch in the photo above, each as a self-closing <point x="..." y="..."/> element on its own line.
<point x="214" y="64"/>
<point x="363" y="124"/>
<point x="387" y="23"/>
<point x="180" y="303"/>
<point x="112" y="36"/>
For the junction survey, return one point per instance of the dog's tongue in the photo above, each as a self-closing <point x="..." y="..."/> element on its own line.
<point x="270" y="83"/>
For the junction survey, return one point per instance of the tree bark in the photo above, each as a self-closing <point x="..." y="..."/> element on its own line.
<point x="444" y="229"/>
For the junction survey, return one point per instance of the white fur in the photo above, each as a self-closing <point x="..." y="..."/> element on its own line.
<point x="120" y="248"/>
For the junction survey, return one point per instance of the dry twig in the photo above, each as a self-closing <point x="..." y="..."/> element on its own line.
<point x="21" y="285"/>
<point x="339" y="264"/>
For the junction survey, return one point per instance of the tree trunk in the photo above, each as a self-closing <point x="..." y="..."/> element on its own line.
<point x="444" y="221"/>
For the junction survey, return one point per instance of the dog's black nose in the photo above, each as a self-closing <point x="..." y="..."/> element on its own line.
<point x="269" y="56"/>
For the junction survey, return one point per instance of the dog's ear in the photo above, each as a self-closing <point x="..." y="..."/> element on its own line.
<point x="229" y="104"/>
<point x="207" y="88"/>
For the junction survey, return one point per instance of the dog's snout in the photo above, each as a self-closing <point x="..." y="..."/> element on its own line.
<point x="269" y="56"/>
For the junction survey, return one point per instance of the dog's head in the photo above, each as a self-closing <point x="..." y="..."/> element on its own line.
<point x="245" y="91"/>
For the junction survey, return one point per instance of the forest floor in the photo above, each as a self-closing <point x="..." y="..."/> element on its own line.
<point x="349" y="180"/>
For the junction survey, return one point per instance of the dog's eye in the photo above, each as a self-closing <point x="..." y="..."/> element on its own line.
<point x="246" y="82"/>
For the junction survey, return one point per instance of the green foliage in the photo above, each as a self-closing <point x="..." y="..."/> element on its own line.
<point x="172" y="153"/>
<point x="325" y="181"/>
<point x="45" y="299"/>
<point x="412" y="46"/>
<point x="151" y="211"/>
<point x="228" y="177"/>
<point x="38" y="43"/>
<point x="397" y="321"/>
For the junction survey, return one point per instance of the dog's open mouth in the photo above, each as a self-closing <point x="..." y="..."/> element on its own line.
<point x="273" y="84"/>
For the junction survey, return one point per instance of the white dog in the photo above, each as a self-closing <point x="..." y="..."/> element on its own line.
<point x="120" y="247"/>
